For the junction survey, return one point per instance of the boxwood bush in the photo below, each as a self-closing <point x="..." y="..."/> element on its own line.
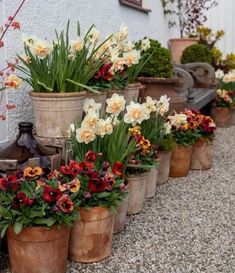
<point x="196" y="53"/>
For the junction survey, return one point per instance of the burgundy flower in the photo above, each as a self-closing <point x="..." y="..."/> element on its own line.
<point x="97" y="185"/>
<point x="86" y="166"/>
<point x="109" y="181"/>
<point x="4" y="184"/>
<point x="18" y="201"/>
<point x="65" y="204"/>
<point x="65" y="169"/>
<point x="75" y="168"/>
<point x="50" y="194"/>
<point x="90" y="156"/>
<point x="14" y="184"/>
<point x="106" y="166"/>
<point x="118" y="168"/>
<point x="29" y="201"/>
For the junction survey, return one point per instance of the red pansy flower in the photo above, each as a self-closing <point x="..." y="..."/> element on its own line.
<point x="118" y="168"/>
<point x="65" y="204"/>
<point x="18" y="201"/>
<point x="50" y="194"/>
<point x="90" y="156"/>
<point x="97" y="185"/>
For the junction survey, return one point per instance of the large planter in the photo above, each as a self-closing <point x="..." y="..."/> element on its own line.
<point x="38" y="250"/>
<point x="232" y="121"/>
<point x="136" y="193"/>
<point x="178" y="45"/>
<point x="99" y="98"/>
<point x="91" y="236"/>
<point x="151" y="185"/>
<point x="157" y="87"/>
<point x="54" y="112"/>
<point x="180" y="161"/>
<point x="131" y="93"/>
<point x="164" y="166"/>
<point x="222" y="116"/>
<point x="202" y="155"/>
<point x="120" y="216"/>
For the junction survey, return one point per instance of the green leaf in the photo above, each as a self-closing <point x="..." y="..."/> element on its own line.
<point x="103" y="194"/>
<point x="36" y="214"/>
<point x="113" y="209"/>
<point x="46" y="87"/>
<point x="3" y="230"/>
<point x="5" y="213"/>
<point x="45" y="221"/>
<point x="18" y="226"/>
<point x="84" y="86"/>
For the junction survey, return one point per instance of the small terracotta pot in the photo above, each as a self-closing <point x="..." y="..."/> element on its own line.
<point x="136" y="193"/>
<point x="222" y="116"/>
<point x="38" y="250"/>
<point x="91" y="236"/>
<point x="180" y="161"/>
<point x="232" y="122"/>
<point x="151" y="184"/>
<point x="202" y="155"/>
<point x="99" y="98"/>
<point x="178" y="45"/>
<point x="164" y="166"/>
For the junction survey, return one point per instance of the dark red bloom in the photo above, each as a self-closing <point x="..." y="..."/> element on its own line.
<point x="90" y="156"/>
<point x="75" y="168"/>
<point x="97" y="185"/>
<point x="104" y="73"/>
<point x="65" y="204"/>
<point x="86" y="166"/>
<point x="118" y="168"/>
<point x="106" y="166"/>
<point x="14" y="184"/>
<point x="65" y="169"/>
<point x="50" y="194"/>
<point x="29" y="201"/>
<point x="18" y="201"/>
<point x="3" y="184"/>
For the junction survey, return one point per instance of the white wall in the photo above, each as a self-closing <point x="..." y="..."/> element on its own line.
<point x="42" y="17"/>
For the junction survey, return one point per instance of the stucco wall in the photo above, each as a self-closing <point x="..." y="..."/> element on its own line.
<point x="42" y="17"/>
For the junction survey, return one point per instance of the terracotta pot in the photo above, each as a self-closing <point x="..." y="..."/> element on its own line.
<point x="99" y="98"/>
<point x="180" y="161"/>
<point x="136" y="193"/>
<point x="38" y="250"/>
<point x="131" y="93"/>
<point x="178" y="45"/>
<point x="54" y="112"/>
<point x="151" y="184"/>
<point x="202" y="155"/>
<point x="156" y="87"/>
<point x="120" y="216"/>
<point x="222" y="116"/>
<point x="232" y="122"/>
<point x="91" y="236"/>
<point x="164" y="166"/>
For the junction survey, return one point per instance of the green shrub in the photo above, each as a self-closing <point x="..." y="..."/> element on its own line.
<point x="196" y="53"/>
<point x="159" y="64"/>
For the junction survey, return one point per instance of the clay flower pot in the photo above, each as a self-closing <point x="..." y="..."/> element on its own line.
<point x="136" y="193"/>
<point x="164" y="166"/>
<point x="151" y="184"/>
<point x="99" y="98"/>
<point x="222" y="116"/>
<point x="38" y="250"/>
<point x="232" y="122"/>
<point x="180" y="161"/>
<point x="91" y="236"/>
<point x="54" y="112"/>
<point x="202" y="155"/>
<point x="178" y="45"/>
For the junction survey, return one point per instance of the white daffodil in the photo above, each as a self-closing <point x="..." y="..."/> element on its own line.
<point x="41" y="49"/>
<point x="29" y="40"/>
<point x="131" y="57"/>
<point x="129" y="46"/>
<point x="162" y="105"/>
<point x="77" y="45"/>
<point x="90" y="120"/>
<point x="90" y="104"/>
<point x="104" y="127"/>
<point x="122" y="33"/>
<point x="150" y="105"/>
<point x="85" y="135"/>
<point x="177" y="120"/>
<point x="93" y="36"/>
<point x="136" y="113"/>
<point x="115" y="104"/>
<point x="230" y="77"/>
<point x="219" y="74"/>
<point x="72" y="127"/>
<point x="145" y="44"/>
<point x="167" y="128"/>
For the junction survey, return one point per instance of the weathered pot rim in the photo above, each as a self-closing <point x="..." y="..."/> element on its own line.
<point x="136" y="175"/>
<point x="102" y="93"/>
<point x="38" y="234"/>
<point x="134" y="85"/>
<point x="159" y="80"/>
<point x="87" y="214"/>
<point x="185" y="39"/>
<point x="57" y="95"/>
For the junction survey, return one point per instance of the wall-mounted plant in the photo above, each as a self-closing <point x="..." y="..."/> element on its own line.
<point x="190" y="14"/>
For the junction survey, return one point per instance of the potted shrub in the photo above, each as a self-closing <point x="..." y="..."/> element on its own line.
<point x="202" y="149"/>
<point x="191" y="15"/>
<point x="185" y="135"/>
<point x="223" y="108"/>
<point x="101" y="189"/>
<point x="37" y="213"/>
<point x="58" y="73"/>
<point x="196" y="53"/>
<point x="158" y="77"/>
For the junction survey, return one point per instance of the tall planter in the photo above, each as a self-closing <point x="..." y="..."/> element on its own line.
<point x="202" y="155"/>
<point x="151" y="184"/>
<point x="91" y="236"/>
<point x="99" y="98"/>
<point x="232" y="122"/>
<point x="178" y="45"/>
<point x="136" y="193"/>
<point x="180" y="161"/>
<point x="164" y="166"/>
<point x="157" y="87"/>
<point x="38" y="250"/>
<point x="222" y="116"/>
<point x="54" y="112"/>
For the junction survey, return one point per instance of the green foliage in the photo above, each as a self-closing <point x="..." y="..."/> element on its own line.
<point x="196" y="53"/>
<point x="159" y="63"/>
<point x="186" y="137"/>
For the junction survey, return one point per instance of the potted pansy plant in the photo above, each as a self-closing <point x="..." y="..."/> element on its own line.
<point x="36" y="214"/>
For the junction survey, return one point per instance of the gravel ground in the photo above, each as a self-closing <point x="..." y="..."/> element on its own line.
<point x="188" y="227"/>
